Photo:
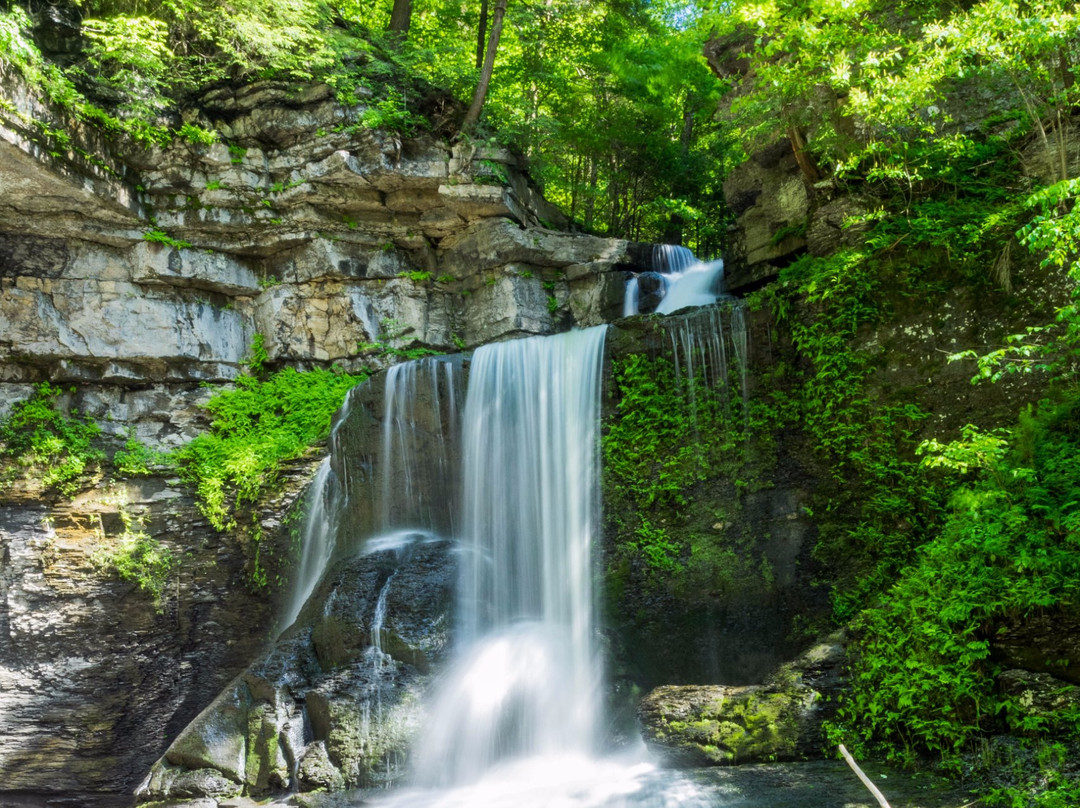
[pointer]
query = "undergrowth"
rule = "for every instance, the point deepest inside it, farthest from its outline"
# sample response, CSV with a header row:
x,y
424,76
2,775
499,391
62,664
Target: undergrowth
x,y
930,547
43,439
257,426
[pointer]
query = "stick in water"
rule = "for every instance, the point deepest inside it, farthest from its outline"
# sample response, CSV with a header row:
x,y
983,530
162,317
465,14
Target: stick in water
x,y
865,780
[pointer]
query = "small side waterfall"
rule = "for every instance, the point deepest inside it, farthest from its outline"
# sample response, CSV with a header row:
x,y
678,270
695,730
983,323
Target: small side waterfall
x,y
409,496
317,536
419,429
699,347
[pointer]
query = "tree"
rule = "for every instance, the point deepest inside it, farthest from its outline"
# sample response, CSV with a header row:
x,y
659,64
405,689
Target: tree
x,y
481,34
473,115
401,18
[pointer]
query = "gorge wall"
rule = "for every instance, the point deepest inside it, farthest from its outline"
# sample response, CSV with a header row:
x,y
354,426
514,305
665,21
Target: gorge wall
x,y
133,276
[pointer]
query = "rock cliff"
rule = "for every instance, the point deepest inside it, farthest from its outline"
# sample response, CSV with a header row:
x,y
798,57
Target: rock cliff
x,y
132,277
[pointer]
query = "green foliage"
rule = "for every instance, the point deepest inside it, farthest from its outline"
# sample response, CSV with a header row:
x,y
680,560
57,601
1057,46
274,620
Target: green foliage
x,y
416,275
137,459
137,557
1053,234
161,237
392,331
199,137
827,64
258,426
58,446
257,356
645,448
923,677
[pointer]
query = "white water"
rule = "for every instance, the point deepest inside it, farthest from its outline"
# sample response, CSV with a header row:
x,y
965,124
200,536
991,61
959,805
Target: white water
x,y
527,677
517,720
318,536
415,460
697,286
686,281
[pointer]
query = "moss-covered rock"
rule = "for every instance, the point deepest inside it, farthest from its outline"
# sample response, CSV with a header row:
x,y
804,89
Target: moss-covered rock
x,y
695,725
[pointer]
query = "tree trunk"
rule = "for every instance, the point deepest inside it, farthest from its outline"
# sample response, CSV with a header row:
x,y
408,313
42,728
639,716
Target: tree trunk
x,y
401,17
481,34
802,156
590,200
473,115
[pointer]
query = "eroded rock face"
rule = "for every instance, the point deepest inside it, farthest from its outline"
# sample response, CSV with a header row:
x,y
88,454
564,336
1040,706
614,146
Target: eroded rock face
x,y
325,708
694,725
94,679
320,236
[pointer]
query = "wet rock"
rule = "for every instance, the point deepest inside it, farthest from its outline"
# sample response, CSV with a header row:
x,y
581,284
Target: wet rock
x,y
651,288
94,682
325,681
317,772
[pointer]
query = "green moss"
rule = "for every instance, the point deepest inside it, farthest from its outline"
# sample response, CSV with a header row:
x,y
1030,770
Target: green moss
x,y
756,725
137,557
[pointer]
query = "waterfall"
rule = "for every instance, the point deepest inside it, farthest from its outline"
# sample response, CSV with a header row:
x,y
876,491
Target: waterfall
x,y
698,285
699,347
526,682
419,429
517,721
683,281
317,540
409,499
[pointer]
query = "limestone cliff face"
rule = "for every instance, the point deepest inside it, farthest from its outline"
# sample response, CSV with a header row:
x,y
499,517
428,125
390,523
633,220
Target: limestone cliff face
x,y
314,232
132,276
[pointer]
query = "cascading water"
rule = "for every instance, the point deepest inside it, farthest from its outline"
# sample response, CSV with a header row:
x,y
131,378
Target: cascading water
x,y
319,533
410,500
684,281
697,286
415,463
517,719
527,679
699,347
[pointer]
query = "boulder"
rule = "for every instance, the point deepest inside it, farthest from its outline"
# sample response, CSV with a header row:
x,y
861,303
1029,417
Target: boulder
x,y
695,725
651,288
326,707
1038,696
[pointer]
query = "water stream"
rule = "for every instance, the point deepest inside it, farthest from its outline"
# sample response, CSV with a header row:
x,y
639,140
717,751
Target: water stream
x,y
518,719
685,281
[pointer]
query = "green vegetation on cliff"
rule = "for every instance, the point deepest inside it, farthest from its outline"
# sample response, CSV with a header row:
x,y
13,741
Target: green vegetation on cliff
x,y
57,447
951,130
258,426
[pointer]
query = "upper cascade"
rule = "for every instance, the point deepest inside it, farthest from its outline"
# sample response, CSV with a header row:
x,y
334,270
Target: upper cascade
x,y
678,281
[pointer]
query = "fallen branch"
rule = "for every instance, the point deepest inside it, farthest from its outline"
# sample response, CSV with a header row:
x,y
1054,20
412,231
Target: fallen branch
x,y
866,781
